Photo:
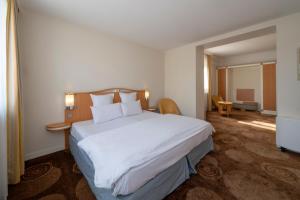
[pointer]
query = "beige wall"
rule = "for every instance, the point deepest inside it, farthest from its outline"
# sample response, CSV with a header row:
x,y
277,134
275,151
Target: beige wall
x,y
288,40
250,58
288,87
57,56
180,70
245,78
180,78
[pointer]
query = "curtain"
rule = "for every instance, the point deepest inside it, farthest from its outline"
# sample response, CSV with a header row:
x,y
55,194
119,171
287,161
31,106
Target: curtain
x,y
209,92
15,158
3,136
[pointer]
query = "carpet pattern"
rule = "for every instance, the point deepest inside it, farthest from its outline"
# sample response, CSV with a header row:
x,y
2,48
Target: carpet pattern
x,y
245,165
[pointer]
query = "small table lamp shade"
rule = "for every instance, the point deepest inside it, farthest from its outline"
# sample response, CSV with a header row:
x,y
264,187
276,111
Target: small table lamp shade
x,y
147,94
69,101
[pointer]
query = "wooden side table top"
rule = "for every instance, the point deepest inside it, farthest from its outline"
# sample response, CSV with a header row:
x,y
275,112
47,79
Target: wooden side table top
x,y
153,109
58,126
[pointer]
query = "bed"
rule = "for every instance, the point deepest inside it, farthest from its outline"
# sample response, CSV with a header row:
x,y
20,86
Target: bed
x,y
153,179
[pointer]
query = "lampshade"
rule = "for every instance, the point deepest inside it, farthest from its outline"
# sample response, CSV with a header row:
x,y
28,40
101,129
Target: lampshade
x,y
147,94
69,100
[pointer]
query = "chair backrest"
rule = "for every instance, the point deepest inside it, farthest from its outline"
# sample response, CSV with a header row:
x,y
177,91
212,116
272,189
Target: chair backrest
x,y
216,99
168,106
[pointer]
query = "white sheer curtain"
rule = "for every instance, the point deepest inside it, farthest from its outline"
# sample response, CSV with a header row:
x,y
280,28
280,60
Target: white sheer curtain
x,y
206,81
206,74
3,104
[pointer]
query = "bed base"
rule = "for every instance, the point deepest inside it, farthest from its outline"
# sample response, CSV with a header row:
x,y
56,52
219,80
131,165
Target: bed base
x,y
157,188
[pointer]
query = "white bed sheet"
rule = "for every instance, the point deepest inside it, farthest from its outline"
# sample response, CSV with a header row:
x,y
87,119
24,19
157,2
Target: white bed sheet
x,y
139,175
83,129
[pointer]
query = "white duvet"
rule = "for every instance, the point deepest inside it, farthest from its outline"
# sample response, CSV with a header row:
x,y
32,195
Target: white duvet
x,y
115,152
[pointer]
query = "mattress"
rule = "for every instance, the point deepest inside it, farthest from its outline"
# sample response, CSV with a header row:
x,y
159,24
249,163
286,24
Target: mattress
x,y
134,178
83,129
138,175
157,188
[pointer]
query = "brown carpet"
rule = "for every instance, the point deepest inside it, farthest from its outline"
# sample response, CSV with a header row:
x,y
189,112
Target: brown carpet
x,y
245,165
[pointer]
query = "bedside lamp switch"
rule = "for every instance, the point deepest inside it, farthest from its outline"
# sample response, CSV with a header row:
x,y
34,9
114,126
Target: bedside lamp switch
x,y
69,115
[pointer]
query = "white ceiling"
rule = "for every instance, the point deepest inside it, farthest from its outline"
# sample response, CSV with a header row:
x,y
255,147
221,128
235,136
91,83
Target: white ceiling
x,y
253,45
164,24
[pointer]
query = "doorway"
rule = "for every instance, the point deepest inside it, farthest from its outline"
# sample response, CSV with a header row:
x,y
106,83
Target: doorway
x,y
245,74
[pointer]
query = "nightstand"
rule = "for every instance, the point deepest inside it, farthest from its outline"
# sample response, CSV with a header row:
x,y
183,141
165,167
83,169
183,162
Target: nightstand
x,y
59,127
153,109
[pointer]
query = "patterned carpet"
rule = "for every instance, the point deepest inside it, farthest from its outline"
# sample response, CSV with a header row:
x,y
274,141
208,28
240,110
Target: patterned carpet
x,y
245,165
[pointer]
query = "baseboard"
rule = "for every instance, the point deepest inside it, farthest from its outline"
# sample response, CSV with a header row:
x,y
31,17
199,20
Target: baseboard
x,y
268,112
43,152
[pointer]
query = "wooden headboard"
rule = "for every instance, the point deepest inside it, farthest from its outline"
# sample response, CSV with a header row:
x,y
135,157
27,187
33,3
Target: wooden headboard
x,y
83,102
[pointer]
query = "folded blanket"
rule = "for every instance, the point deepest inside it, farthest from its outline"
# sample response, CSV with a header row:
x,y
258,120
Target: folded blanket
x,y
115,152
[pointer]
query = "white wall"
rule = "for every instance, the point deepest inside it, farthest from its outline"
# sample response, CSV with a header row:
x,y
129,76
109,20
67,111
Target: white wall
x,y
254,78
179,68
288,87
258,57
180,78
57,56
245,78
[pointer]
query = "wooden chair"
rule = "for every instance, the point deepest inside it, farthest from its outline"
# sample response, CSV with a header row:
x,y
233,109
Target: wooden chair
x,y
215,100
168,106
223,107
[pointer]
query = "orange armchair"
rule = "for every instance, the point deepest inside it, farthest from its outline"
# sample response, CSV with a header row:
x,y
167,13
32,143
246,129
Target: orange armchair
x,y
215,100
168,106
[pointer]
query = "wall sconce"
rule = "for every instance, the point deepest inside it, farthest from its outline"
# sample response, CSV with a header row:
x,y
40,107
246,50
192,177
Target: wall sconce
x,y
147,94
69,101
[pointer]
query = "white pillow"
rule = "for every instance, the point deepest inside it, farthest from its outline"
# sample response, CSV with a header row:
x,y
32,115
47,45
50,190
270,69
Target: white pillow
x,y
100,100
131,108
106,112
128,97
